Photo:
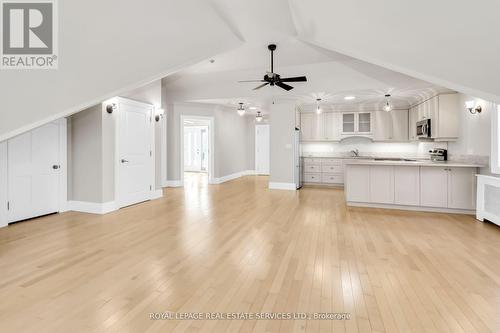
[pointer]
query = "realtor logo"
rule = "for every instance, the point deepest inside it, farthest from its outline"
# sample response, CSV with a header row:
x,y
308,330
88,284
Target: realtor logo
x,y
29,34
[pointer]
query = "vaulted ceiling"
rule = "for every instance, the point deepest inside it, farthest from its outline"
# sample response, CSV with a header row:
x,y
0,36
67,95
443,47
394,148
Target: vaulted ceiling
x,y
368,48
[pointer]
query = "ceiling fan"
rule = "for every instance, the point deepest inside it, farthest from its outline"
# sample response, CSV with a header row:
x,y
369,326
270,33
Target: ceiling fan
x,y
274,79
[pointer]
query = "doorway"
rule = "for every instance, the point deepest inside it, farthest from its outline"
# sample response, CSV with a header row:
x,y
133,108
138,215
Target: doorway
x,y
262,149
196,149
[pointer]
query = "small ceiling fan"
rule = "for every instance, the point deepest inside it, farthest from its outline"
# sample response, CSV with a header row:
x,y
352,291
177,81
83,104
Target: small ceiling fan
x,y
274,79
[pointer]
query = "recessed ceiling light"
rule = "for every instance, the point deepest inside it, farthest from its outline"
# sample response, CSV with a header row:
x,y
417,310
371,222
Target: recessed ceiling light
x,y
349,98
252,108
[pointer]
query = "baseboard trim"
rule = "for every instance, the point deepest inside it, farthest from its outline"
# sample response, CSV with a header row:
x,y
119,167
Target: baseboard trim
x,y
173,183
282,186
157,194
92,207
412,208
233,176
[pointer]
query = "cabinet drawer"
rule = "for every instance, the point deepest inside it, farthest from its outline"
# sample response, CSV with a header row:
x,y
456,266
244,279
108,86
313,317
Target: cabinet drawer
x,y
332,168
331,161
310,160
312,168
312,178
332,179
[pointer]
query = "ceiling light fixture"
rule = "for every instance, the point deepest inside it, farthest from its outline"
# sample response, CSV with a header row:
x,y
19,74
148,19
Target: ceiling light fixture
x,y
252,108
472,107
259,117
388,105
241,110
318,107
349,98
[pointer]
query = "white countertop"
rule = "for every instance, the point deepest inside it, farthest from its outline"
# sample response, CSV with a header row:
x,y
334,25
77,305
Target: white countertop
x,y
415,163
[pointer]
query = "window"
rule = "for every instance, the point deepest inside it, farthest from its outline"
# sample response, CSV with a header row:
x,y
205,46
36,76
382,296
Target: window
x,y
495,141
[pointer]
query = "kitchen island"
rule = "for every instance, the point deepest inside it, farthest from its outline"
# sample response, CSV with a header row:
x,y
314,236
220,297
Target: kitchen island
x,y
421,185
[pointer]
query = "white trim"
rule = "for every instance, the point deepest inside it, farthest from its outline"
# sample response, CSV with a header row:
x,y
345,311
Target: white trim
x,y
173,183
63,160
495,140
116,115
92,207
233,176
157,194
211,149
3,184
412,208
164,148
282,186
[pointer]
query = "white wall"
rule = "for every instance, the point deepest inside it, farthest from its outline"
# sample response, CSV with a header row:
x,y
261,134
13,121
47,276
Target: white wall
x,y
230,138
282,127
475,129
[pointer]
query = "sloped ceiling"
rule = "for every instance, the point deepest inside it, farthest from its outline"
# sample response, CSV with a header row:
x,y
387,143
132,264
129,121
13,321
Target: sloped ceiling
x,y
450,43
107,47
331,75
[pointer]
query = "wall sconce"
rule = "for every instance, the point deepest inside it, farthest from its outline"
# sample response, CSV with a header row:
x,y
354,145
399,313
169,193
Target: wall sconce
x,y
159,114
472,107
110,108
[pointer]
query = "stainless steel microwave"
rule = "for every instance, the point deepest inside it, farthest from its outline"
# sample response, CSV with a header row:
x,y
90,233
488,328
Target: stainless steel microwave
x,y
424,128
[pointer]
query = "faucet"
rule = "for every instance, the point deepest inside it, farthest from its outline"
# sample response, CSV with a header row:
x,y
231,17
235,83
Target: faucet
x,y
355,152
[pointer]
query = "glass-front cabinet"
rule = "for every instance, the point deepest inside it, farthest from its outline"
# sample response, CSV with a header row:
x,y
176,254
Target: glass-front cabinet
x,y
356,123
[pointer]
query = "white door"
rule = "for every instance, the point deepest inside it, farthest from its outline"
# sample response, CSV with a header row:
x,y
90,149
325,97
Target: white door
x,y
262,150
33,173
136,166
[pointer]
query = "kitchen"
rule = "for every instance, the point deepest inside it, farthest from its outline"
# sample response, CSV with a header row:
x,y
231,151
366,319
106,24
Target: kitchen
x,y
422,157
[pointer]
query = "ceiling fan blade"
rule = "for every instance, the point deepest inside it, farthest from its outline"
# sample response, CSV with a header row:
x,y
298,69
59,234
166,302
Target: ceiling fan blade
x,y
262,85
294,79
252,81
284,86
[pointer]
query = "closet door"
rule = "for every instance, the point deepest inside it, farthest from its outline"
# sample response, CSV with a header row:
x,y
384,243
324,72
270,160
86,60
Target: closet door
x,y
33,172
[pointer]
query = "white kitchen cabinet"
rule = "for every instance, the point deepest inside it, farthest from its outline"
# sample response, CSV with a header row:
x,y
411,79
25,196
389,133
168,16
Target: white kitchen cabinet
x,y
399,125
381,184
434,186
348,123
357,123
326,171
358,181
461,188
306,127
443,111
407,185
412,124
390,126
331,130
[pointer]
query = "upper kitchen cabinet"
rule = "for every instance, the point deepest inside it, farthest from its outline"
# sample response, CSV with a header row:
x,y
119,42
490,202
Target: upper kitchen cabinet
x,y
390,126
320,127
357,124
443,111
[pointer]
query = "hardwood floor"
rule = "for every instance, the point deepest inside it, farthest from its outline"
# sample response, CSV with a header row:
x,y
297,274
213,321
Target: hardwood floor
x,y
238,247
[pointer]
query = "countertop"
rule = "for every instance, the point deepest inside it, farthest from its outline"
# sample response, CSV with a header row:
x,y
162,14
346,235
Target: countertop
x,y
426,163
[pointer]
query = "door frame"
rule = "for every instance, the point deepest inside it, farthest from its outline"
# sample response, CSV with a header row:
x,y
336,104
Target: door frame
x,y
211,146
117,169
269,159
63,174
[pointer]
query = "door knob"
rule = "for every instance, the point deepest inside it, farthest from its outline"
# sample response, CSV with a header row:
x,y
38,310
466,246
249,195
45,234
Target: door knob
x,y
124,161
